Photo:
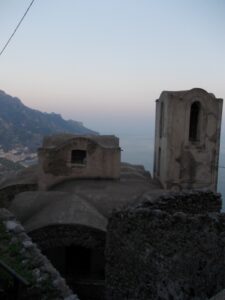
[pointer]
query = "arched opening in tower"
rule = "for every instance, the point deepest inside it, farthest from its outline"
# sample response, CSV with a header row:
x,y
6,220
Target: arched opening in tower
x,y
194,126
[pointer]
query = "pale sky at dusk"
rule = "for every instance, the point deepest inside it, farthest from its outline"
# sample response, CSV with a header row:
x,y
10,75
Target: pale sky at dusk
x,y
105,62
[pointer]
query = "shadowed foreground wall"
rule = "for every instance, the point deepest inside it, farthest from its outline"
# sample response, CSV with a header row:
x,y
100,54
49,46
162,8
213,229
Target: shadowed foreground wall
x,y
152,253
19,252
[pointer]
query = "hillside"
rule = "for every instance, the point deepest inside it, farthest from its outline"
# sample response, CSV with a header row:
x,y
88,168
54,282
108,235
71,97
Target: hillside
x,y
8,165
25,127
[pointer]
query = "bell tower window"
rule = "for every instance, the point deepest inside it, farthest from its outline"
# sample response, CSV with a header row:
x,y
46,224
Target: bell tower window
x,y
194,127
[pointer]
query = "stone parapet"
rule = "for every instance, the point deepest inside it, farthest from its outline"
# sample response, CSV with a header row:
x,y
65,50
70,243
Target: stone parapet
x,y
190,202
166,250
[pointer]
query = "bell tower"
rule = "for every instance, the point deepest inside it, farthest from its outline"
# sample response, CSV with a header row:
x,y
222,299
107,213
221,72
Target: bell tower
x,y
187,139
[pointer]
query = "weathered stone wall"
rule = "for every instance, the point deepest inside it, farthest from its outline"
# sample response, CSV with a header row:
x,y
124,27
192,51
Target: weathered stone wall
x,y
101,161
181,162
191,202
157,253
8,193
19,252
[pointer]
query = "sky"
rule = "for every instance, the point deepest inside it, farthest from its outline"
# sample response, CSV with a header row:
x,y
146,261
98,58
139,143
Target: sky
x,y
105,62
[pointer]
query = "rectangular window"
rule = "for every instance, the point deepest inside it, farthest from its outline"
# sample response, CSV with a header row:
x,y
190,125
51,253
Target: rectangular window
x,y
78,157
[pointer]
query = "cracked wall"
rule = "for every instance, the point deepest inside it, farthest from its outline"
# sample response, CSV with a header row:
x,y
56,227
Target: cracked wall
x,y
181,161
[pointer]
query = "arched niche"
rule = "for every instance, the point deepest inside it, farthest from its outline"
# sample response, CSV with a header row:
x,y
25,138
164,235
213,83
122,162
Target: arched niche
x,y
194,122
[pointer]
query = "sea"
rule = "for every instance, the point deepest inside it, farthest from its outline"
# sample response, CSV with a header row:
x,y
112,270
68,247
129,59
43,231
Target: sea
x,y
139,149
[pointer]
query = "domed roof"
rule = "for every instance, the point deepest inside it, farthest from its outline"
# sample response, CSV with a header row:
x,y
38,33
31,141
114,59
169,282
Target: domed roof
x,y
39,209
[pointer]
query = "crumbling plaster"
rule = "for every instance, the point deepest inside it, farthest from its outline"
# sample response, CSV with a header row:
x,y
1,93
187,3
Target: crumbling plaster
x,y
180,163
102,161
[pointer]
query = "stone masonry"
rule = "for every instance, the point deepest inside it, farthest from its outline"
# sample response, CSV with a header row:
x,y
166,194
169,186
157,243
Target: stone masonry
x,y
187,139
166,251
63,157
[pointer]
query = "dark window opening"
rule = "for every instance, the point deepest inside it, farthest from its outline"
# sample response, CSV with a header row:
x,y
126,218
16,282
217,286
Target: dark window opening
x,y
78,262
194,130
83,269
78,157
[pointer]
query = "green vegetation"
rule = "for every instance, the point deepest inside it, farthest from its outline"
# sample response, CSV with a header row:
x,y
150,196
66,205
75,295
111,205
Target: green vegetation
x,y
10,254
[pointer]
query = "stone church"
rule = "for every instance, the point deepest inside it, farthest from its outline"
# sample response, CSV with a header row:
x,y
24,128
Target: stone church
x,y
81,205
